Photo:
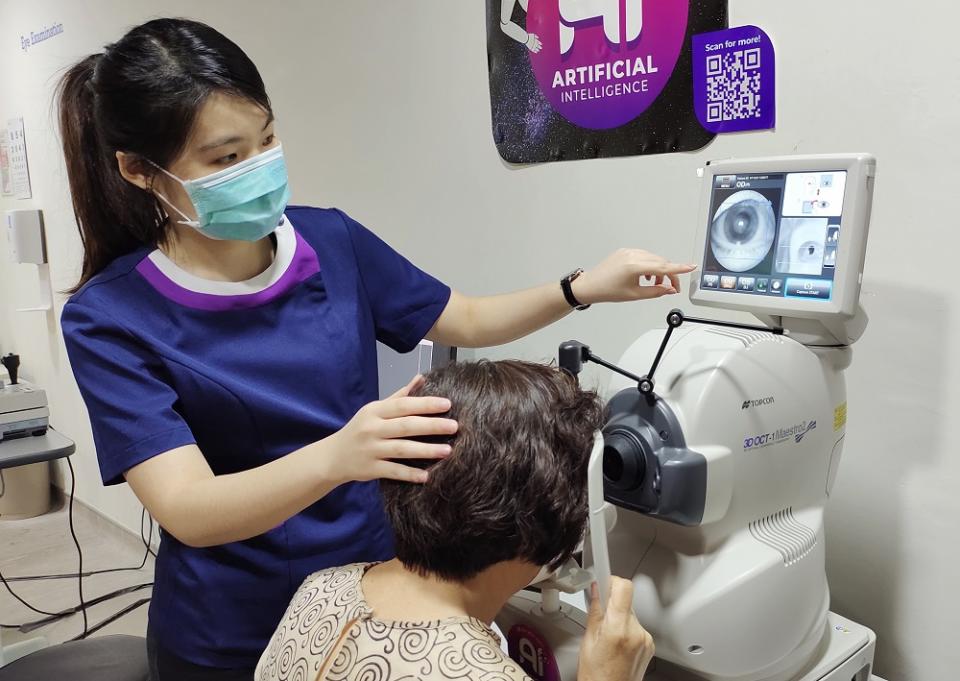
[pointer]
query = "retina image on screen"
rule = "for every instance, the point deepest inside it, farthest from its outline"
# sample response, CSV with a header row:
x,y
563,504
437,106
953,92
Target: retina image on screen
x,y
774,234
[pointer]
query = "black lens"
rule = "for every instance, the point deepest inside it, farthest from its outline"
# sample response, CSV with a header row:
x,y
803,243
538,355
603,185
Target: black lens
x,y
612,464
624,462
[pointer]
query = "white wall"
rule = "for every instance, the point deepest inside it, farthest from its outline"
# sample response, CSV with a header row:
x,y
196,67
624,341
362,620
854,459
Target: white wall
x,y
384,111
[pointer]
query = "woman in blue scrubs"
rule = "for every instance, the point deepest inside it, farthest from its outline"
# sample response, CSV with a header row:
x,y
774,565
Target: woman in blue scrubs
x,y
224,341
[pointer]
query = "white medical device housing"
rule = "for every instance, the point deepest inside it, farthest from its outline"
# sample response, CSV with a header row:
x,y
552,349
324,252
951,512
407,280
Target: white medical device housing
x,y
23,410
716,481
785,238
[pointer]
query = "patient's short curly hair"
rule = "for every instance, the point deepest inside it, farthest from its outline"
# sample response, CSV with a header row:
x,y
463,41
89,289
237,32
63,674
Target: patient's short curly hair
x,y
515,486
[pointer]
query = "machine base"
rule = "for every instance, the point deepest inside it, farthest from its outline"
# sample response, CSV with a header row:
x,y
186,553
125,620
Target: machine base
x,y
846,654
544,643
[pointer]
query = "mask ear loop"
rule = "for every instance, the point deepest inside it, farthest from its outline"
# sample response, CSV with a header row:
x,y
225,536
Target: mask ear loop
x,y
186,218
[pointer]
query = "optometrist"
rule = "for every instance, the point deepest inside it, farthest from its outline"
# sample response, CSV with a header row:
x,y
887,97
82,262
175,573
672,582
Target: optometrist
x,y
224,341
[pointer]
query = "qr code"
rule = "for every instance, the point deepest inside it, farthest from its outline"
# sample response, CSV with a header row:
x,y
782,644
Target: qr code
x,y
733,85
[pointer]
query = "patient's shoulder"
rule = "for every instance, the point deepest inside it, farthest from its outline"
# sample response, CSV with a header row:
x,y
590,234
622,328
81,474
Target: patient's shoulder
x,y
333,580
479,648
325,604
456,648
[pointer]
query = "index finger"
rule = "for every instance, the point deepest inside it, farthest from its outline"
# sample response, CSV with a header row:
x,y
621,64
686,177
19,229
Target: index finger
x,y
414,383
397,407
595,611
620,603
669,268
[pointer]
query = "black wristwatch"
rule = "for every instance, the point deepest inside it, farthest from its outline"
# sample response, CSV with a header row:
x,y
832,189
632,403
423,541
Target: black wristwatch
x,y
565,286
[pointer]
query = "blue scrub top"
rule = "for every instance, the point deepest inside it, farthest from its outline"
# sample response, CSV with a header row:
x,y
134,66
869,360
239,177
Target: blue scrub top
x,y
249,371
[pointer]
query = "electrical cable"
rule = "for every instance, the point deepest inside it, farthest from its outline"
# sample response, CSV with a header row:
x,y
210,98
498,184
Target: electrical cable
x,y
79,575
76,541
149,538
27,627
13,593
72,575
113,618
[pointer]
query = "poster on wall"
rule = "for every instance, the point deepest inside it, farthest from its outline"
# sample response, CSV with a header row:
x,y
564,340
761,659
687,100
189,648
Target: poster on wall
x,y
577,79
733,80
17,153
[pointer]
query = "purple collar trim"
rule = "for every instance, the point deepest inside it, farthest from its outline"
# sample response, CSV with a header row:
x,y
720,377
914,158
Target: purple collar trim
x,y
303,266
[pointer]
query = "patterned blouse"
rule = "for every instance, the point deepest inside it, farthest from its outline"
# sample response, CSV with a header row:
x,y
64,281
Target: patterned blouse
x,y
329,634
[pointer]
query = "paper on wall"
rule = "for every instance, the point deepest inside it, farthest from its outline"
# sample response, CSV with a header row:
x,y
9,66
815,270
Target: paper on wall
x,y
6,182
17,154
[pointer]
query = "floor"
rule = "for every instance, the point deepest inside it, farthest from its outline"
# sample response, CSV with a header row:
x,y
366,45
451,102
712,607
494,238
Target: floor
x,y
43,545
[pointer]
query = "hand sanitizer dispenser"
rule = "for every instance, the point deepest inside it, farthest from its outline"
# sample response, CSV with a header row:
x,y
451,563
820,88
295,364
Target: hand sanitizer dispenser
x,y
25,234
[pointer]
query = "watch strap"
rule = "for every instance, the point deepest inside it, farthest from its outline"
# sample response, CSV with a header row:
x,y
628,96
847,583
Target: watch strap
x,y
567,288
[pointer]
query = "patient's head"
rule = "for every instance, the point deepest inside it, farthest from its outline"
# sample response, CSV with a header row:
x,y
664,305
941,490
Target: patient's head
x,y
515,486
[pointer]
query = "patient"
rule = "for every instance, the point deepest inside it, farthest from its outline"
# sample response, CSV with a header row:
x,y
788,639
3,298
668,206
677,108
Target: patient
x,y
511,498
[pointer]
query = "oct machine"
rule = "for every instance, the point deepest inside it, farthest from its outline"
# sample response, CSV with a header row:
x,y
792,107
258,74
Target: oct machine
x,y
709,480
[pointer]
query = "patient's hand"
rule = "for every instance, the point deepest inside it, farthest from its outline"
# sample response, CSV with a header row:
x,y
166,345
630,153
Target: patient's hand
x,y
615,647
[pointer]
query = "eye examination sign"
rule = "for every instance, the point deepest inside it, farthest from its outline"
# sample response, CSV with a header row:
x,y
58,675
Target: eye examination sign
x,y
574,79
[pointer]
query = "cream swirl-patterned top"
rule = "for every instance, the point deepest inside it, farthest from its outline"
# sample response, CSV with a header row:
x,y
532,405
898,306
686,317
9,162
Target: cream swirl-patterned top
x,y
329,634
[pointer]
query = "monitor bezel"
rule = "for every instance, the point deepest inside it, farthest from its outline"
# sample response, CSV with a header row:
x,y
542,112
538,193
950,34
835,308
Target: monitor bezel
x,y
851,250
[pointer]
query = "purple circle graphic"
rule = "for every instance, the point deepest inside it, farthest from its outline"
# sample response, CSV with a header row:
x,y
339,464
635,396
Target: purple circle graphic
x,y
528,648
604,62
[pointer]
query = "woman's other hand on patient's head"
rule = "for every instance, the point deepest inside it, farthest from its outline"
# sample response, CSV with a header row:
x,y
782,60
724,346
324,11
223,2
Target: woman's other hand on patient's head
x,y
382,434
615,647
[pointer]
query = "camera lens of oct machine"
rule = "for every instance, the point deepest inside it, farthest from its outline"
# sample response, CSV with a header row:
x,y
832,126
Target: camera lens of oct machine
x,y
624,461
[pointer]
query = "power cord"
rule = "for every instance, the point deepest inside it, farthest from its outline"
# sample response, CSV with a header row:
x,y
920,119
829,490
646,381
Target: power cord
x,y
72,575
27,627
113,618
148,540
79,575
14,594
76,542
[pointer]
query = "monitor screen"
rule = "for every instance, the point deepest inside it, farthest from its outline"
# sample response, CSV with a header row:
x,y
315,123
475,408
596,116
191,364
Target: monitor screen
x,y
774,234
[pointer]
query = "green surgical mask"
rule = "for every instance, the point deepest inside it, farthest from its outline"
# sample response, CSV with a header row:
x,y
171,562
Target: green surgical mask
x,y
244,202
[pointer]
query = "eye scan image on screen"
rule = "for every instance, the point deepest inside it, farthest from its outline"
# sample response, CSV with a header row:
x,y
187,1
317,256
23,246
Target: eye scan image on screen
x,y
774,234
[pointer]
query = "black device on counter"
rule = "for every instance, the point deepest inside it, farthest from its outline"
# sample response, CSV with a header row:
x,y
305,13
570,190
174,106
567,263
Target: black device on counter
x,y
12,364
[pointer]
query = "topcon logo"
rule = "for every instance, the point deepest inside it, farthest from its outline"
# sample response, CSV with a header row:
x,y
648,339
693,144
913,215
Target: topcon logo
x,y
757,403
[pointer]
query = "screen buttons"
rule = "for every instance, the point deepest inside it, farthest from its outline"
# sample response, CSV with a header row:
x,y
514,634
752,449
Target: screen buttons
x,y
710,281
746,283
817,289
762,284
728,282
830,250
776,286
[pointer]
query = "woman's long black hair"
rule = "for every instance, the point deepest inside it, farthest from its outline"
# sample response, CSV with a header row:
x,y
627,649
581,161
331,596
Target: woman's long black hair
x,y
140,96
